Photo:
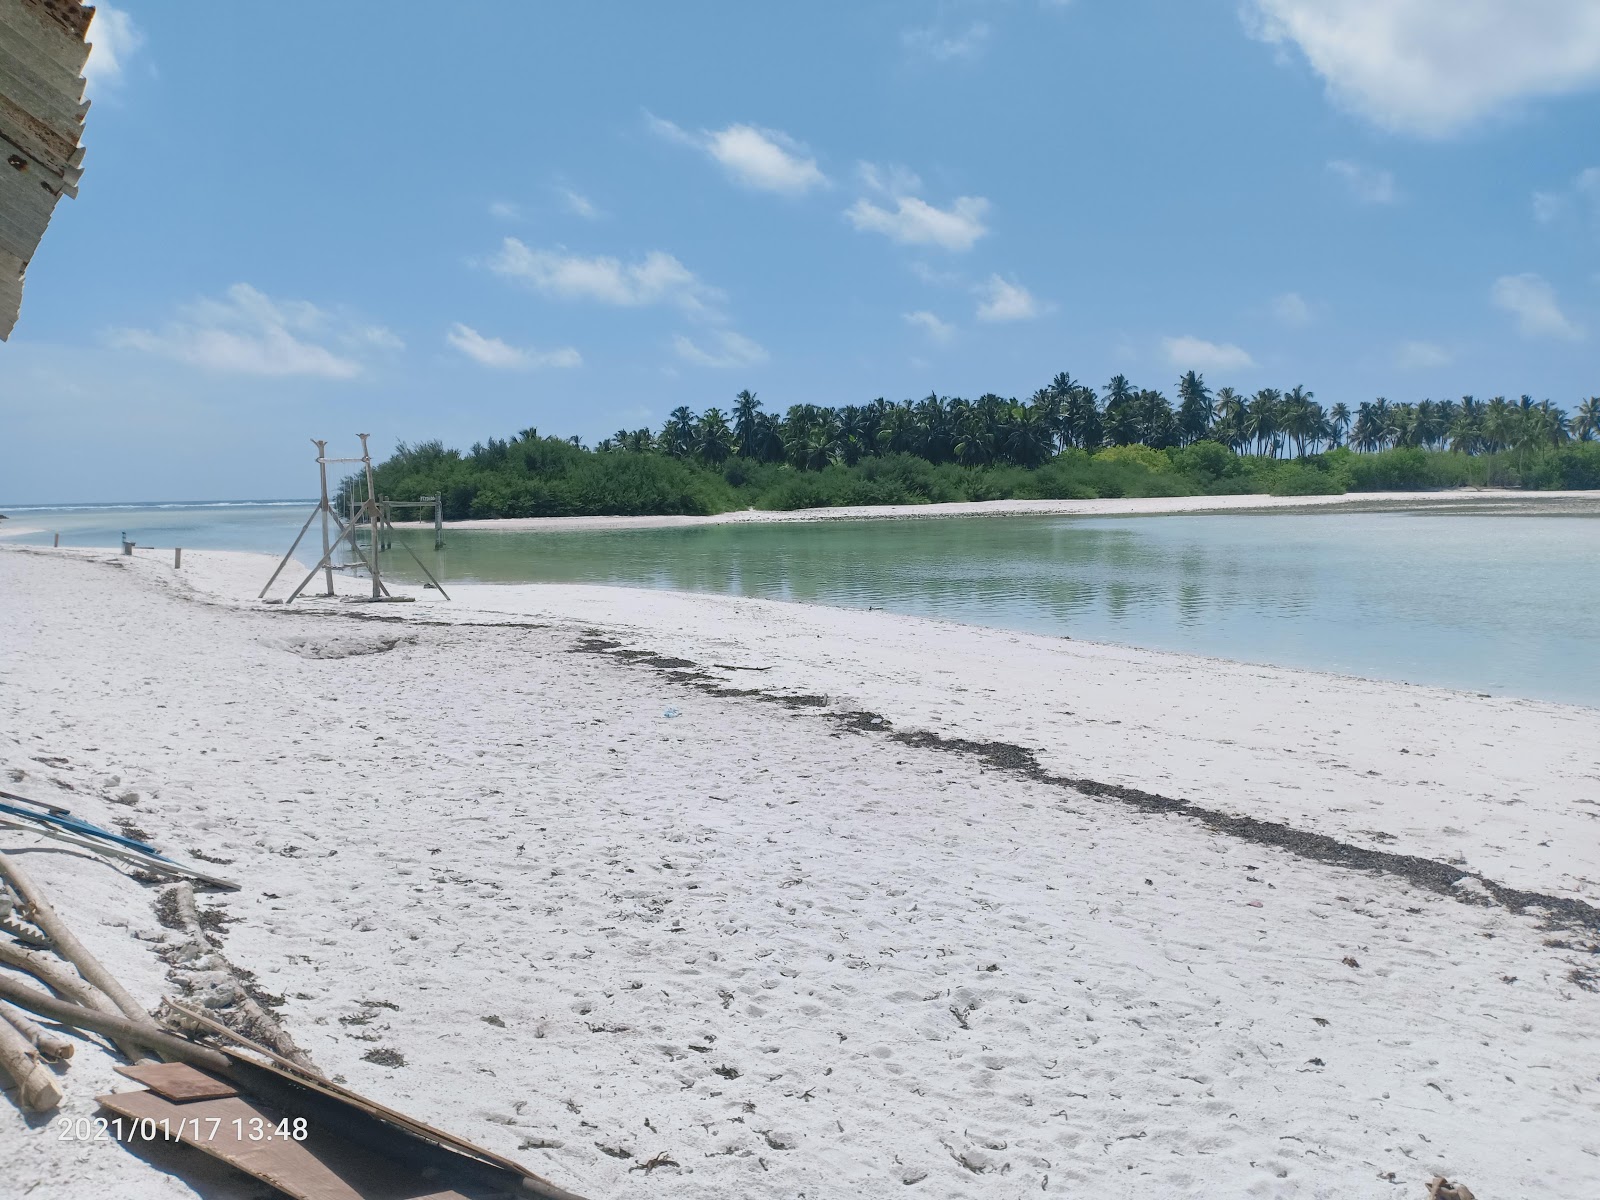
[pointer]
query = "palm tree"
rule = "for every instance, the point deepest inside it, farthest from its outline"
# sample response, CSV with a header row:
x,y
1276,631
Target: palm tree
x,y
1121,420
677,435
1195,409
1262,420
1299,417
1339,420
1587,427
746,425
713,440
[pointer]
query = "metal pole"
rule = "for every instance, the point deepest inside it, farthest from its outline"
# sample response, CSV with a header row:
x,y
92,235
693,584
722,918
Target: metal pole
x,y
322,468
438,522
372,513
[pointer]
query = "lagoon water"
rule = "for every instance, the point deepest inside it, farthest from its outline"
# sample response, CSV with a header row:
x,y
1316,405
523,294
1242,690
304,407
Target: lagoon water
x,y
1496,603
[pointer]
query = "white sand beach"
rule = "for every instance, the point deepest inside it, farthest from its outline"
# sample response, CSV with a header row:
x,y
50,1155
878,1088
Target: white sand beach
x,y
685,896
1132,506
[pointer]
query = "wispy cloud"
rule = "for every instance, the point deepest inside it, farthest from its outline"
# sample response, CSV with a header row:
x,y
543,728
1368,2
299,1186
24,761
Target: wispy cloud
x,y
942,46
930,324
1419,356
1532,300
1291,309
500,355
1435,67
1005,300
1582,194
767,160
913,221
248,333
115,40
1192,353
657,278
579,205
504,210
727,349
1370,185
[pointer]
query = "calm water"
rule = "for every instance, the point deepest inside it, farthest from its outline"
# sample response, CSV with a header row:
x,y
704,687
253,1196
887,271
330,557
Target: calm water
x,y
1492,603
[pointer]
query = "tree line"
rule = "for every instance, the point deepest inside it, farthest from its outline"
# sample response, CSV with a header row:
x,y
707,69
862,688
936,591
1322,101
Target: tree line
x,y
1066,441
1068,414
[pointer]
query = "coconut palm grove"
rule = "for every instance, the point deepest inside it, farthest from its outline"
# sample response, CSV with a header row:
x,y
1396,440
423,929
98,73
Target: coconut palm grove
x,y
1066,441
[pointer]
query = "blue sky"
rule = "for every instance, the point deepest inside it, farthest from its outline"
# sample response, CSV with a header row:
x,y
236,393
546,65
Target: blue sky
x,y
302,220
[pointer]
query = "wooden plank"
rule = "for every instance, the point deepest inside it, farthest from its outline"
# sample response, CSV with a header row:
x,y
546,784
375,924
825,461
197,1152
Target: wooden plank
x,y
177,1081
244,1135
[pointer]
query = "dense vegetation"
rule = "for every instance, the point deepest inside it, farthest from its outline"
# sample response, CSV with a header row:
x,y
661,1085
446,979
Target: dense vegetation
x,y
1065,442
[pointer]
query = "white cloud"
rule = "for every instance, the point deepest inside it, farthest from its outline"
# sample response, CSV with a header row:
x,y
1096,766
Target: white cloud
x,y
1370,185
729,349
941,47
935,278
248,333
505,210
1434,67
1532,301
937,330
492,352
1192,353
1584,192
1291,309
1418,356
1547,206
657,278
915,222
889,179
579,205
1003,300
115,40
765,159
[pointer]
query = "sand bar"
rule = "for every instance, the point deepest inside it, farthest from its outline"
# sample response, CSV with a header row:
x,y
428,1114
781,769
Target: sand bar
x,y
1124,507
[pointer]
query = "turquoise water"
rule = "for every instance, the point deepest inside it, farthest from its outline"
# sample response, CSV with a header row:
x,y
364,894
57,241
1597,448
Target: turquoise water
x,y
263,525
1471,599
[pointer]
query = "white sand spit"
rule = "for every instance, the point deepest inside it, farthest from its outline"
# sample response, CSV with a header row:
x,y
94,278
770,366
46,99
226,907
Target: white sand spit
x,y
1135,506
793,954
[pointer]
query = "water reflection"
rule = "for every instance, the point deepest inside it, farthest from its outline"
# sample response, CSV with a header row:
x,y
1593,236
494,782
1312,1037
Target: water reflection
x,y
1485,602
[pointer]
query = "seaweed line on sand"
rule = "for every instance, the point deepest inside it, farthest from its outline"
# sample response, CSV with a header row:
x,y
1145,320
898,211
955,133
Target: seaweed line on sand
x,y
1441,878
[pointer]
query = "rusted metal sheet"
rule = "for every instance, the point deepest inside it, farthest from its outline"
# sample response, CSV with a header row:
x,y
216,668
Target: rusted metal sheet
x,y
42,54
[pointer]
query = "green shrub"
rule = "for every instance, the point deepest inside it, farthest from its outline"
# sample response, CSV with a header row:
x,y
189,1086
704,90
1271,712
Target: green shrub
x,y
1153,461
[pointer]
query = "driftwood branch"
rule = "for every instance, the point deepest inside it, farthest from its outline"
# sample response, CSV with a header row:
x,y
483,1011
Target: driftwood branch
x,y
49,1043
67,945
120,1028
37,1089
259,1024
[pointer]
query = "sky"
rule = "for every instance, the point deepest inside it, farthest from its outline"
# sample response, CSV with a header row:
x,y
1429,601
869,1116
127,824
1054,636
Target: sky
x,y
304,220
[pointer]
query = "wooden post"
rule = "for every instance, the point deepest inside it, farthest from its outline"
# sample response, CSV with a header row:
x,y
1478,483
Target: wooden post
x,y
127,546
58,541
438,522
372,514
177,557
322,467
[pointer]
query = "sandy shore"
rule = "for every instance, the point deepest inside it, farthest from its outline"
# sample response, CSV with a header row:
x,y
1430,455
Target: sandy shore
x,y
824,903
1127,507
